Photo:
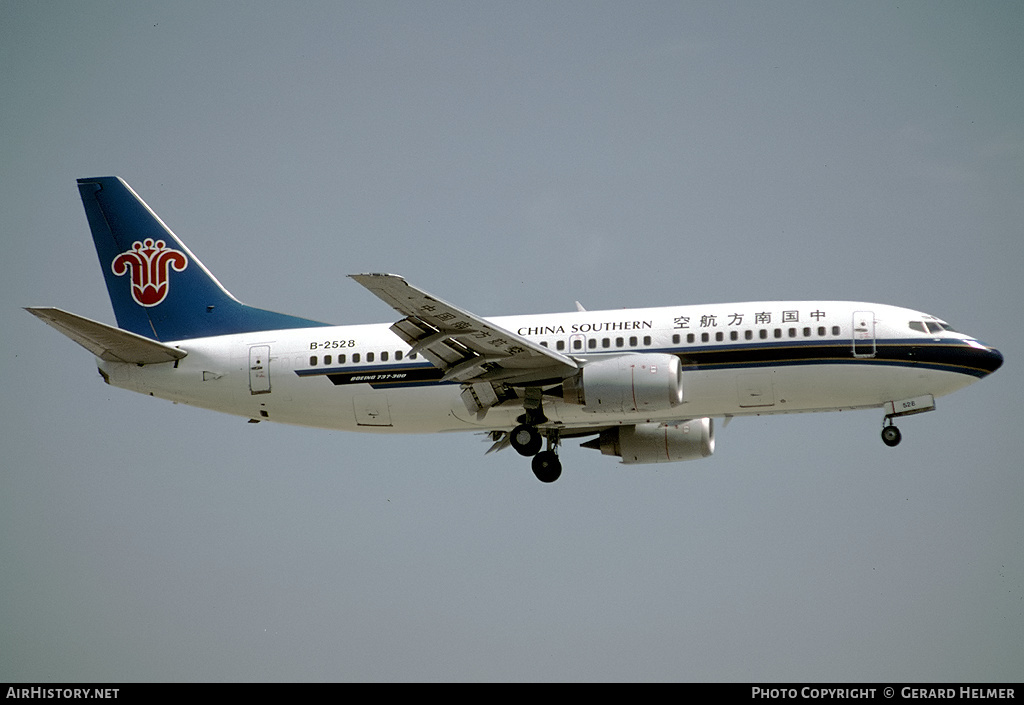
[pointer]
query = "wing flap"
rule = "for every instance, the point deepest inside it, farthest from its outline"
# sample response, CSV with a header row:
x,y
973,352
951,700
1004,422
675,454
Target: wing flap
x,y
466,347
106,342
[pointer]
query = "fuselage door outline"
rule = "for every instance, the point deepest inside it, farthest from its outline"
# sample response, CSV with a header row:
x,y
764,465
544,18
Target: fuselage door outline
x,y
863,334
259,369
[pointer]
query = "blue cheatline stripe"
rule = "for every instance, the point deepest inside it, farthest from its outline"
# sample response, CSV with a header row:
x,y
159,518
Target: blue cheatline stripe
x,y
953,357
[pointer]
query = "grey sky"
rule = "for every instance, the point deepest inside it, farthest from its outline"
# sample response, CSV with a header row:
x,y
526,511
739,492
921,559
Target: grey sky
x,y
514,157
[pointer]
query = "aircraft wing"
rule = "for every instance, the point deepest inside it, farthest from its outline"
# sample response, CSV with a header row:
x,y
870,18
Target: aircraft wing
x,y
106,342
469,349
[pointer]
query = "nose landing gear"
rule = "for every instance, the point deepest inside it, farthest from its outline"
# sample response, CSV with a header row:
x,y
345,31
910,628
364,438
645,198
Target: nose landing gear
x,y
891,435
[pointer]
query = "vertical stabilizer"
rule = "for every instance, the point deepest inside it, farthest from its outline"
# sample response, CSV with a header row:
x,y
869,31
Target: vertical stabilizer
x,y
157,287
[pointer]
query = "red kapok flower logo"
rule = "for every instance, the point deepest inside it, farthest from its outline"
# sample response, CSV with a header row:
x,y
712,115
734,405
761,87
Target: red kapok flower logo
x,y
150,264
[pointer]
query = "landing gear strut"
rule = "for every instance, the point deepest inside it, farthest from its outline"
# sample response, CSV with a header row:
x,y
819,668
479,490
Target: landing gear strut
x,y
891,435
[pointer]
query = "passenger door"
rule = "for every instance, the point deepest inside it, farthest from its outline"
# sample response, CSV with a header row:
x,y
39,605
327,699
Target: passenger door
x,y
259,369
863,334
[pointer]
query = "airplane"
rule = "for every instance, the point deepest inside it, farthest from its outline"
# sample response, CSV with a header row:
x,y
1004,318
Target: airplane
x,y
644,384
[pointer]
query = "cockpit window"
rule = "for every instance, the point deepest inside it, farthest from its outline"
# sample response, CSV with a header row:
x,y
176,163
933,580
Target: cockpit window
x,y
931,327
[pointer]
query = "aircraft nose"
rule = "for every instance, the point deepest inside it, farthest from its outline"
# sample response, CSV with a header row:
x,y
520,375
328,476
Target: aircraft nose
x,y
993,359
986,358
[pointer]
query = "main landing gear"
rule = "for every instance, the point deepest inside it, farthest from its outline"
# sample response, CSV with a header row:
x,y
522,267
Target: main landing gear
x,y
527,441
526,438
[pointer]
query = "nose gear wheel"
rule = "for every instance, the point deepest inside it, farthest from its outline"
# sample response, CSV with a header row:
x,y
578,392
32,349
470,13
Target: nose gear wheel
x,y
891,435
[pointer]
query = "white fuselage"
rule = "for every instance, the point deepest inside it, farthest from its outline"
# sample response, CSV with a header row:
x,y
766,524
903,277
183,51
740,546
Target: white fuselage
x,y
738,359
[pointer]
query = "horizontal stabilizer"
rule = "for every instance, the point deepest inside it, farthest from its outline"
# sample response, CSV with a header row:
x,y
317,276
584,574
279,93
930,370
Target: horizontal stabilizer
x,y
106,342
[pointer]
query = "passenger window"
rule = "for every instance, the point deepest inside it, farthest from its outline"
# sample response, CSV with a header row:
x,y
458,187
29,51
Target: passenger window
x,y
592,343
778,333
633,341
821,331
621,342
560,345
398,354
341,359
327,359
748,335
734,335
577,344
675,339
606,342
312,360
384,356
792,332
544,343
647,340
807,332
355,357
719,336
369,357
690,337
762,333
835,330
704,337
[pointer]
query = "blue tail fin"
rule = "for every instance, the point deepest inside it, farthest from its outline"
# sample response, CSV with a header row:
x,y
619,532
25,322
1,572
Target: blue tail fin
x,y
158,288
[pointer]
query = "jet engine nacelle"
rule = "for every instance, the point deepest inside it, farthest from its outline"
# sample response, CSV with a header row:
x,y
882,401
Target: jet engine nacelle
x,y
658,443
644,382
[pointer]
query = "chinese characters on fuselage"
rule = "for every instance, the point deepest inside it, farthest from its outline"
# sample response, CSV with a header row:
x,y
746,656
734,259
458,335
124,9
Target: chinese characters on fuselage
x,y
760,318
